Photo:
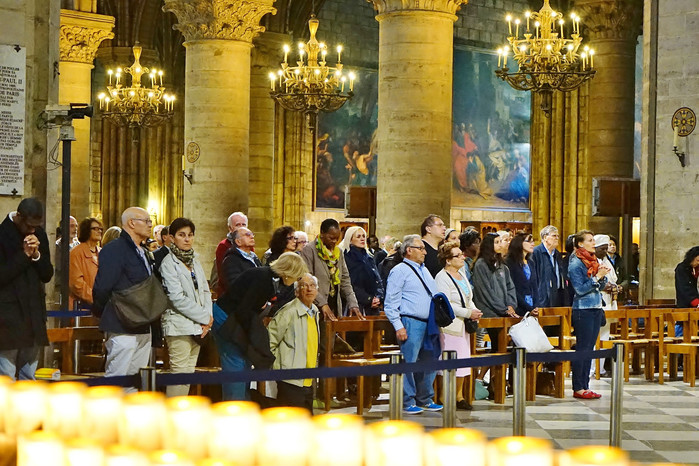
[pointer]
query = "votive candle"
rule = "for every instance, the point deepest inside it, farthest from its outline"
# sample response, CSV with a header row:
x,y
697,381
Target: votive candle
x,y
142,420
101,411
337,440
170,458
5,384
285,437
26,406
520,451
121,455
64,403
594,456
84,452
187,428
235,432
394,443
40,448
445,447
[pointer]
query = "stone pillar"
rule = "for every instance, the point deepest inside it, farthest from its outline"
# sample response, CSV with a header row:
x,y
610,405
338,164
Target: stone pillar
x,y
218,37
414,127
612,29
266,57
80,35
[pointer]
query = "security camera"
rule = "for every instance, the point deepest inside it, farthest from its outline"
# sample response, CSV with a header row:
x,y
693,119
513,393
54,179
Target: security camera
x,y
60,115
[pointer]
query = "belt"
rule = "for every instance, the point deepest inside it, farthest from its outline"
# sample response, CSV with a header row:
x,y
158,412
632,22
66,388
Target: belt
x,y
413,317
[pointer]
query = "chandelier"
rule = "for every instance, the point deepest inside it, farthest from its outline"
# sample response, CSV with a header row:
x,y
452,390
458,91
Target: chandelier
x,y
136,104
311,86
547,60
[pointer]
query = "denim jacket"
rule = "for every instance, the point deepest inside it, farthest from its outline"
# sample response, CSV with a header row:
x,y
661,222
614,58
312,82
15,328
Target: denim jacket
x,y
587,290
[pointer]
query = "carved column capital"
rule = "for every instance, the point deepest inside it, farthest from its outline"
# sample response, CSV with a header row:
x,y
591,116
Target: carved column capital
x,y
440,6
219,19
81,34
611,19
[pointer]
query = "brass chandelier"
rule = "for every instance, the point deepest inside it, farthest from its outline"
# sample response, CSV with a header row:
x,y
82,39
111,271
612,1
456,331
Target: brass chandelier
x,y
547,60
312,86
135,104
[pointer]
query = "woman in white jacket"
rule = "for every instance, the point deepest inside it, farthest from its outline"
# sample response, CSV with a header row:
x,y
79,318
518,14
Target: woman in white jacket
x,y
454,284
190,318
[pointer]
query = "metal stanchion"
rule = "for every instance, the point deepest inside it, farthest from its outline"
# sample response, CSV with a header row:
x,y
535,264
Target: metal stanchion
x,y
449,392
147,376
520,393
395,387
617,396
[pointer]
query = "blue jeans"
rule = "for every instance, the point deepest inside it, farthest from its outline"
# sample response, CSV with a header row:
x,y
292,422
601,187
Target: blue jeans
x,y
19,363
417,388
232,359
586,323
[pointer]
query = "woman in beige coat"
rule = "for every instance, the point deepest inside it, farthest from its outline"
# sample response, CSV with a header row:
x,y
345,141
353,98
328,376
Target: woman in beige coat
x,y
454,284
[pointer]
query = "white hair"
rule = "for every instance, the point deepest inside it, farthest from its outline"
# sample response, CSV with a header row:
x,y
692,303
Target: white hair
x,y
347,240
548,230
296,283
238,214
300,234
408,240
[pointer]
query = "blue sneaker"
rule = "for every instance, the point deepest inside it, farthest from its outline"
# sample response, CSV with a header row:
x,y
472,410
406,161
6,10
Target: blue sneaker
x,y
432,407
413,410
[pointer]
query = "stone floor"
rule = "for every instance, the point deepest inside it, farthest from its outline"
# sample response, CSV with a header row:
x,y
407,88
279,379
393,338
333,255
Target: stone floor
x,y
660,422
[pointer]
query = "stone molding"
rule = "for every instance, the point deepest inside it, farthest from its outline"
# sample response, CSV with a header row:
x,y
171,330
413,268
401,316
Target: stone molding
x,y
440,6
611,19
219,19
81,33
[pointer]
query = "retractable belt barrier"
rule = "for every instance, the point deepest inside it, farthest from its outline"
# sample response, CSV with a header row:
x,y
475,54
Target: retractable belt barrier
x,y
69,314
213,378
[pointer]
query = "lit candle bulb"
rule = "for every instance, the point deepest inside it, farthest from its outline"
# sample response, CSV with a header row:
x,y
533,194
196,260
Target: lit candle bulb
x,y
40,448
235,432
272,81
528,15
505,53
594,456
520,451
169,458
351,78
64,406
339,53
110,72
499,57
142,420
592,58
342,80
106,103
183,412
676,136
445,447
394,443
508,18
286,52
26,407
285,438
160,74
560,23
337,440
536,25
517,22
84,452
583,58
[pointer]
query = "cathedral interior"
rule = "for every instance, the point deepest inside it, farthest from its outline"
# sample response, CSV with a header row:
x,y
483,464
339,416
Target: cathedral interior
x,y
430,127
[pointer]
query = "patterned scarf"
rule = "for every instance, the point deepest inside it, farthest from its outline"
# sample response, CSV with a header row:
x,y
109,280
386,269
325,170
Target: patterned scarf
x,y
332,261
589,259
187,257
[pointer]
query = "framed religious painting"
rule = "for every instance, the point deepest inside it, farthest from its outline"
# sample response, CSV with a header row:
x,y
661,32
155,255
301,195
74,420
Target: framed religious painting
x,y
346,153
490,136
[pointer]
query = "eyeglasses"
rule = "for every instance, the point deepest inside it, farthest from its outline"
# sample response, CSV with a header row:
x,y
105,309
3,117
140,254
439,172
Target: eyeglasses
x,y
250,234
310,286
422,248
302,241
145,220
461,254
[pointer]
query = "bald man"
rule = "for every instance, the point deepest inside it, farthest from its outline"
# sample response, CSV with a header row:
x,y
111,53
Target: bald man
x,y
123,263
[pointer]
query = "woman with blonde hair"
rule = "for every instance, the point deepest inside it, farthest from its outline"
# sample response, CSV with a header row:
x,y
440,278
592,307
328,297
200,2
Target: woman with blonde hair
x,y
364,275
112,233
238,329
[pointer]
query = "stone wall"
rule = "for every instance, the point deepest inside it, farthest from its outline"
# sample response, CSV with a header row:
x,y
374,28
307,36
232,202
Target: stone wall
x,y
669,223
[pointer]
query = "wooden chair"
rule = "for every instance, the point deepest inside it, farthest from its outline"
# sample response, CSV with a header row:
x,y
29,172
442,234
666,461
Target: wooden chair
x,y
669,344
498,373
68,338
560,344
634,341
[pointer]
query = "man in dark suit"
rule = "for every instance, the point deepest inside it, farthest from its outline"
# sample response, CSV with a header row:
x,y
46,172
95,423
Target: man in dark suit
x,y
240,258
547,263
25,265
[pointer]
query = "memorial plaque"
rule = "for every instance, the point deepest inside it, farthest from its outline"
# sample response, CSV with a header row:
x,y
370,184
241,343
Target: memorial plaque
x,y
13,67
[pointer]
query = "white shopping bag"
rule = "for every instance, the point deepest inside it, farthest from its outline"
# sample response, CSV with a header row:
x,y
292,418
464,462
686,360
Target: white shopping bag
x,y
529,334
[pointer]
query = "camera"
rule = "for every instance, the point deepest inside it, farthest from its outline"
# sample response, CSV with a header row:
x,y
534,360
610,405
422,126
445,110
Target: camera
x,y
60,115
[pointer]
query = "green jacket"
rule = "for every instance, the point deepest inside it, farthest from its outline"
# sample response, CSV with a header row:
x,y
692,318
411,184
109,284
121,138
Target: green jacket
x,y
288,337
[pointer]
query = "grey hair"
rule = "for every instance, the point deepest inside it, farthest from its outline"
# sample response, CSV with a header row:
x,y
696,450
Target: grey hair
x,y
547,230
240,214
408,240
296,283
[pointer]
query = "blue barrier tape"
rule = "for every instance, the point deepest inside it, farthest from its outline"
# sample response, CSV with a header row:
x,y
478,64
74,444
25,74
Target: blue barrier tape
x,y
214,378
70,314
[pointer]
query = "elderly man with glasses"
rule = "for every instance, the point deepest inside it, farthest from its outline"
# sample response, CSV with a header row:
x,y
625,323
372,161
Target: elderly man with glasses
x,y
239,258
123,263
407,307
548,265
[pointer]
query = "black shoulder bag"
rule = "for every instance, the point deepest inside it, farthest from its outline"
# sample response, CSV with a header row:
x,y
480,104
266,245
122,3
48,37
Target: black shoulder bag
x,y
470,324
443,313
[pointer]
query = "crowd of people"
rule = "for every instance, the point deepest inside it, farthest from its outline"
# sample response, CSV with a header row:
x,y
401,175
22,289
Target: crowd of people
x,y
268,312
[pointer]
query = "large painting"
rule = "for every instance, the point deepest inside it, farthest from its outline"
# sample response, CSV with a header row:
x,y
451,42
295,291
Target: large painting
x,y
490,139
346,152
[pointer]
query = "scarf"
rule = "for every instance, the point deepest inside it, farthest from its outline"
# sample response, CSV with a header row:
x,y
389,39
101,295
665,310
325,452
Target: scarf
x,y
187,257
332,261
589,259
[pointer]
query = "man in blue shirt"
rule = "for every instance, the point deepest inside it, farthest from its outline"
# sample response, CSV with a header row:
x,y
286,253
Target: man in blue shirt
x,y
407,307
547,262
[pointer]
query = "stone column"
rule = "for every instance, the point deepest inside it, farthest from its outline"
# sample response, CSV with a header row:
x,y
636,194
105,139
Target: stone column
x,y
266,57
612,29
414,127
218,37
80,35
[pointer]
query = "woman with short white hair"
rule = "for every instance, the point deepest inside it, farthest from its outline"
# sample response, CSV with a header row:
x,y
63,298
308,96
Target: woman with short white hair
x,y
364,275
